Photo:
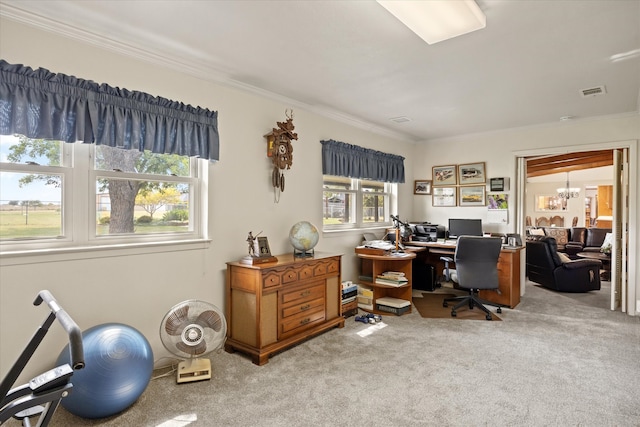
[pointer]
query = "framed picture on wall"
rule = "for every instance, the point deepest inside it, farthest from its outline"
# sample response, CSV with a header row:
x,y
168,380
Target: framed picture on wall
x,y
472,196
472,173
444,196
422,187
444,175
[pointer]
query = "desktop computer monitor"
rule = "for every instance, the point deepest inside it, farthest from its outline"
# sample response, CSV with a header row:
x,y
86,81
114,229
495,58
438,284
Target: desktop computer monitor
x,y
464,227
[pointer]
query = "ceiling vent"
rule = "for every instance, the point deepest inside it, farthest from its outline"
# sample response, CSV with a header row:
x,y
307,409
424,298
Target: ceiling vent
x,y
593,91
401,119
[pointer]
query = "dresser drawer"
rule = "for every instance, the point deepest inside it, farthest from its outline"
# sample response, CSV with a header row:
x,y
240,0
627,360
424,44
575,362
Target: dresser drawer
x,y
302,307
305,272
320,269
289,275
301,295
270,279
293,324
333,266
326,267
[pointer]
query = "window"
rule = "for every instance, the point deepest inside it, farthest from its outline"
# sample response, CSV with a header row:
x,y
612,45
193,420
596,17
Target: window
x,y
356,203
46,200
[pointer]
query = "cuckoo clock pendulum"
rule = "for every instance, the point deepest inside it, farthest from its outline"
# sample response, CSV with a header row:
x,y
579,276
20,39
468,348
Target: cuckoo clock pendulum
x,y
281,151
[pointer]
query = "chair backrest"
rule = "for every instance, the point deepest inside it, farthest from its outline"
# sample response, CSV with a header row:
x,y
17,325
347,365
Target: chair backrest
x,y
574,221
476,261
540,262
543,221
557,220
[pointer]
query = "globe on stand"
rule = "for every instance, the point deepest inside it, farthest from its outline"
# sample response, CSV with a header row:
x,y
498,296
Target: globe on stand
x,y
304,237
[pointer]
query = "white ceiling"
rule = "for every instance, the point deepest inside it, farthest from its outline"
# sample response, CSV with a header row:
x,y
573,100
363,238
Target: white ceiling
x,y
352,60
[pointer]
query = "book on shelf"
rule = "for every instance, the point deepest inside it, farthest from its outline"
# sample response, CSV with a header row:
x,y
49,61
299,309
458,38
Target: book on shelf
x,y
365,298
365,306
395,278
393,273
391,282
348,300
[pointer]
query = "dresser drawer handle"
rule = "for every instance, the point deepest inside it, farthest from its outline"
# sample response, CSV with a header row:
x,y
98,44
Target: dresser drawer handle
x,y
305,307
305,293
305,321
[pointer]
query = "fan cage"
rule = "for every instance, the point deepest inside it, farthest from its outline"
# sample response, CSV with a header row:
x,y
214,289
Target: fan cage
x,y
193,328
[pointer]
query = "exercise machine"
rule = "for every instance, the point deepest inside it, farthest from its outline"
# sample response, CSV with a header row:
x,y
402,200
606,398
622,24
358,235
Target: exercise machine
x,y
41,396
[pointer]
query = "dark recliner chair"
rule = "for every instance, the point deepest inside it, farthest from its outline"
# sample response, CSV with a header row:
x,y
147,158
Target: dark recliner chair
x,y
546,268
476,261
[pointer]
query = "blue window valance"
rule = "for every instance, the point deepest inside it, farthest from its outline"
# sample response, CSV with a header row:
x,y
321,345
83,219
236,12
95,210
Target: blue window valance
x,y
342,159
44,105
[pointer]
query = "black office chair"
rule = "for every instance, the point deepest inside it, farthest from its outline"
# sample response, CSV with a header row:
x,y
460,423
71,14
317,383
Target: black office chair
x,y
476,260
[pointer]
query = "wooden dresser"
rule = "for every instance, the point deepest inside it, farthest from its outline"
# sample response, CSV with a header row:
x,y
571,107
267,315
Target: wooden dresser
x,y
273,306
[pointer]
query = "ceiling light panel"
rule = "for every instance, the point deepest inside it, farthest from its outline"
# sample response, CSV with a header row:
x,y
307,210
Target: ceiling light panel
x,y
437,20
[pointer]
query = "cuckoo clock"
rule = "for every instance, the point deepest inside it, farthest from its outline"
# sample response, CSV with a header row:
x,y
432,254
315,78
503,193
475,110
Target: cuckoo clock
x,y
280,150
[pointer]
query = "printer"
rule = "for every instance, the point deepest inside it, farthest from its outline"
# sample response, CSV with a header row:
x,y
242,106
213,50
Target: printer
x,y
426,232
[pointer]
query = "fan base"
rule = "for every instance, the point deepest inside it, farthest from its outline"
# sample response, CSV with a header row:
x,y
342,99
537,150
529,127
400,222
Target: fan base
x,y
194,370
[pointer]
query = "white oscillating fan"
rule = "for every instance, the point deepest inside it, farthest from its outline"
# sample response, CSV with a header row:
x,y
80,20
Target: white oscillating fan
x,y
191,330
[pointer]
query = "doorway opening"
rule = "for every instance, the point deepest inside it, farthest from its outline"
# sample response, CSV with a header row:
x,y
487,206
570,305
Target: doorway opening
x,y
621,158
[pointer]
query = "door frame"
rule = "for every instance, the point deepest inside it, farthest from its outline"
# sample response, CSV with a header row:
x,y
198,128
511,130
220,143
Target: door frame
x,y
629,291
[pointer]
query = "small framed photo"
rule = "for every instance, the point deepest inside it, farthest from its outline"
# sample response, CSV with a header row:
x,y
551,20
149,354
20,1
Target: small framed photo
x,y
263,245
444,175
472,196
472,173
444,196
422,187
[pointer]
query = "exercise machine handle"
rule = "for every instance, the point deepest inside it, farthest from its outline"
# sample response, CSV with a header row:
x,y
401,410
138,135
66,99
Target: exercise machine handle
x,y
72,329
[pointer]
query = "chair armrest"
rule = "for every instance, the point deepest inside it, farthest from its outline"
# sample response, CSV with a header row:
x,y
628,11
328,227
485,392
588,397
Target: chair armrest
x,y
582,263
574,245
446,259
573,248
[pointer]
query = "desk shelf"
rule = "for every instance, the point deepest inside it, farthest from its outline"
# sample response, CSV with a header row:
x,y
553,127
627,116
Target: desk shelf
x,y
374,265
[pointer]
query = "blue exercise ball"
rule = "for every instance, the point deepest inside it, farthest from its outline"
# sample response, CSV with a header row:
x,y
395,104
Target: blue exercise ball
x,y
118,368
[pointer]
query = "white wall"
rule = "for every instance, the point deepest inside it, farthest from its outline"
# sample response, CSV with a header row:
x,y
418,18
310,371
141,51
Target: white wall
x,y
137,287
575,207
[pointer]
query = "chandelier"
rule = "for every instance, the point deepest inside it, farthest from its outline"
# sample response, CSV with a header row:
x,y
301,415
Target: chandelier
x,y
568,192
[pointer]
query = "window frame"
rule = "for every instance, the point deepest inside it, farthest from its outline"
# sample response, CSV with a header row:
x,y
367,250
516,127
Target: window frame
x,y
390,196
78,205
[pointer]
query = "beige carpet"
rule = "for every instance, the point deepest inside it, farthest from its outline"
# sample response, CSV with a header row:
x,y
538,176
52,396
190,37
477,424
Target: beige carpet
x,y
430,306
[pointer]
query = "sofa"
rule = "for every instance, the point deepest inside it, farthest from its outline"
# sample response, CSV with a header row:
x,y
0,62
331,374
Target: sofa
x,y
572,240
546,267
585,240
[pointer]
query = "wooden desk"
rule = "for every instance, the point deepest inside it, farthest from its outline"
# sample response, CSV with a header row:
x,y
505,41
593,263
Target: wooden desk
x,y
508,270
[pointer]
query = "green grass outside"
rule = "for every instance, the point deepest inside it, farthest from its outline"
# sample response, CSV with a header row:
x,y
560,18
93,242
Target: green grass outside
x,y
48,223
37,223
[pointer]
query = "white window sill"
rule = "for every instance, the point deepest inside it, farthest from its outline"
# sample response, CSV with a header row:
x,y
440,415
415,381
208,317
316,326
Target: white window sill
x,y
102,251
